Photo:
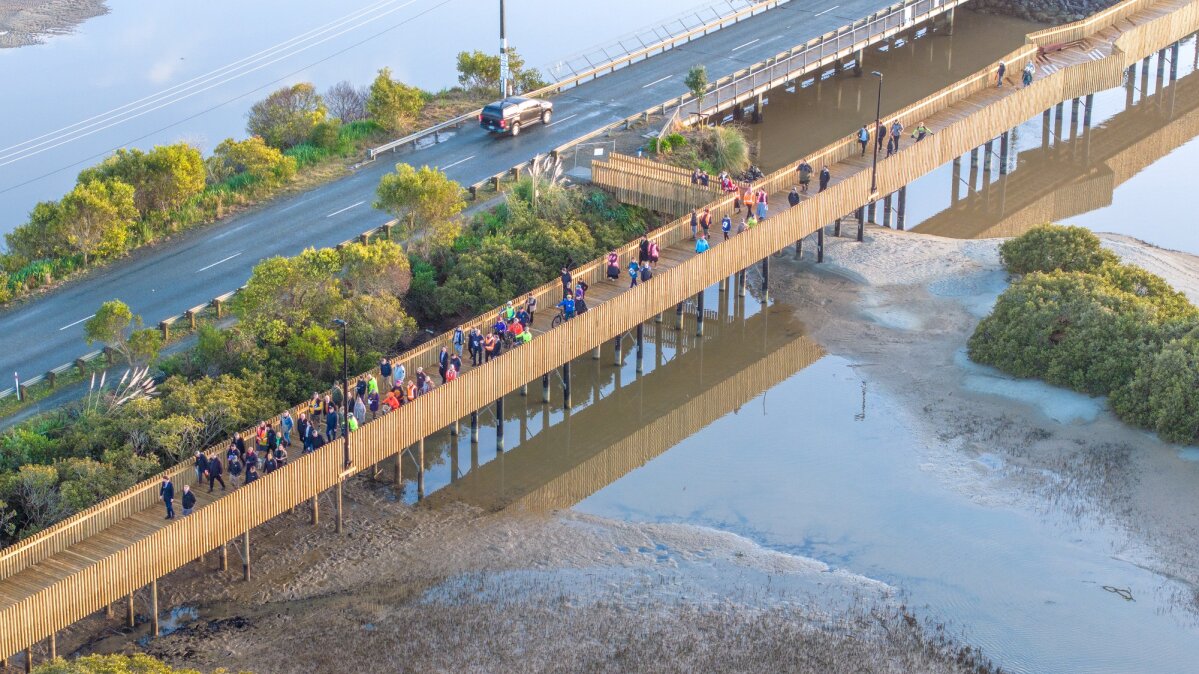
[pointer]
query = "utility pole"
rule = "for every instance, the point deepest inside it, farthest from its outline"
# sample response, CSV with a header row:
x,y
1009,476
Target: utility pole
x,y
503,55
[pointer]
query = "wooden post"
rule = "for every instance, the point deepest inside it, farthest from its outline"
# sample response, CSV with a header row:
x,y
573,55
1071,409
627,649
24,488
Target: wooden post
x,y
190,315
225,556
51,378
154,607
245,562
861,224
130,615
887,211
166,330
28,660
420,469
316,510
499,424
566,385
399,471
339,523
837,227
901,210
53,646
640,347
820,245
474,192
495,183
82,365
798,249
109,612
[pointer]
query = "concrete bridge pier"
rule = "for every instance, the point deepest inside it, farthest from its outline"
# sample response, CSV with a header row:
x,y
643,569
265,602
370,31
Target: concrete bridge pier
x,y
947,22
616,351
678,316
545,388
398,469
566,385
1087,108
1045,117
699,314
741,291
887,211
130,614
901,208
820,245
858,56
499,424
1058,112
1174,62
454,425
316,511
861,224
759,102
155,628
28,660
956,190
1074,106
988,150
245,568
454,460
765,274
799,249
640,348
595,353
837,227
872,212
474,422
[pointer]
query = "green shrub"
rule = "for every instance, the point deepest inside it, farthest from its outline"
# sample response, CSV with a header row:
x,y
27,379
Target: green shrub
x,y
1052,248
1164,393
306,155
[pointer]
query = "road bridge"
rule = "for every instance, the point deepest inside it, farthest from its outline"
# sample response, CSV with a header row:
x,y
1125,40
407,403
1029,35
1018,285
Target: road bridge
x,y
193,267
105,553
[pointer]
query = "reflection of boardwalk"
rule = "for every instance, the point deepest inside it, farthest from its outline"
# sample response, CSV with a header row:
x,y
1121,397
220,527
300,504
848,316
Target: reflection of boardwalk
x,y
576,457
103,554
1078,176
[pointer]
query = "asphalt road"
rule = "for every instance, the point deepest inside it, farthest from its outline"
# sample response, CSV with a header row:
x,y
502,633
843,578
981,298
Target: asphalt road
x,y
195,267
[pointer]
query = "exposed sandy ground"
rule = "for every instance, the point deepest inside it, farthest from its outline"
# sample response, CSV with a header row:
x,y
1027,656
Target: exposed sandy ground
x,y
26,22
455,589
903,305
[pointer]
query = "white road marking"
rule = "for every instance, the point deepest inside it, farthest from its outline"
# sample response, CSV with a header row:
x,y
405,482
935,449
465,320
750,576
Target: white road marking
x,y
460,161
343,210
657,81
75,323
744,45
218,262
827,10
559,121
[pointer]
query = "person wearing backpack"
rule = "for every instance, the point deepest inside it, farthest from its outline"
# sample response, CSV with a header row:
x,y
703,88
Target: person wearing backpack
x,y
726,226
654,252
646,272
234,466
214,474
613,266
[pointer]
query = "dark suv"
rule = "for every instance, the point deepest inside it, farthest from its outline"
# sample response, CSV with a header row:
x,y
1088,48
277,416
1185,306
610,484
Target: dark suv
x,y
514,113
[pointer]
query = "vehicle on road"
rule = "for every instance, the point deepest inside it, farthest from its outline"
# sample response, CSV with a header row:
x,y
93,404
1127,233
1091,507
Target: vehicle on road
x,y
512,114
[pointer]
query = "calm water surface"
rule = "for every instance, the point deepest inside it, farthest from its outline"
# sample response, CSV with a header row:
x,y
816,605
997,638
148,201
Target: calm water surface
x,y
754,431
141,48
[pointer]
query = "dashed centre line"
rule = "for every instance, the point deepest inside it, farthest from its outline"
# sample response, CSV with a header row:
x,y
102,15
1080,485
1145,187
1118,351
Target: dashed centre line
x,y
746,44
219,262
69,325
343,210
657,82
827,10
460,161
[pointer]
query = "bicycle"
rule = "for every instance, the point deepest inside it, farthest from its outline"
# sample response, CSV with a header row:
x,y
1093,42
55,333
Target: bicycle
x,y
559,319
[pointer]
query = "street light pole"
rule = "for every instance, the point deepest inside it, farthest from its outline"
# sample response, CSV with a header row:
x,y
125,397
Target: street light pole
x,y
503,55
878,118
345,390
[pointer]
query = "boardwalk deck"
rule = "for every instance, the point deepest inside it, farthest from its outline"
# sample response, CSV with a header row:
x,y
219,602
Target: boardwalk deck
x,y
81,565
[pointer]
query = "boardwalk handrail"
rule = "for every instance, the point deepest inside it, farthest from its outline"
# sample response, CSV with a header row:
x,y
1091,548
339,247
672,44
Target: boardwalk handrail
x,y
42,609
1078,30
590,73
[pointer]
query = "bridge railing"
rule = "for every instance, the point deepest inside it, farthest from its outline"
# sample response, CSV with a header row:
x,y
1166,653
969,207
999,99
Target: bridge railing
x,y
587,74
1078,30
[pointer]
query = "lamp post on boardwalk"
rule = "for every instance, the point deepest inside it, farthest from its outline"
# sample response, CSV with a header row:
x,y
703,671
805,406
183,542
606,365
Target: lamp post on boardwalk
x,y
878,118
345,389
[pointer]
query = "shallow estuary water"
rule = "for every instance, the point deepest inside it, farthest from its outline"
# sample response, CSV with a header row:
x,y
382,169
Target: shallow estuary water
x,y
824,466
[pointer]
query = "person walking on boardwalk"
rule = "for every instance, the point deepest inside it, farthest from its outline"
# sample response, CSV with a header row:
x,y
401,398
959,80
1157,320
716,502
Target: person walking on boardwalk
x,y
456,362
880,136
567,280
252,471
896,134
214,474
694,227
726,226
701,246
643,244
201,466
359,412
705,221
167,492
863,138
742,227
581,289
188,500
825,177
634,273
762,205
747,199
287,423
234,463
1000,71
330,431
921,131
476,347
459,340
805,175
1026,75
646,272
531,307
385,373
793,197
443,362
491,345
613,266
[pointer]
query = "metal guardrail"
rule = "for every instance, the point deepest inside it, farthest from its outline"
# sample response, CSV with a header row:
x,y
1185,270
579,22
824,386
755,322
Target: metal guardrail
x,y
591,73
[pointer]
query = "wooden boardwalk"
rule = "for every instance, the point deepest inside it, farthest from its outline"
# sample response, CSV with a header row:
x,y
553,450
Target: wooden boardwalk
x,y
103,554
